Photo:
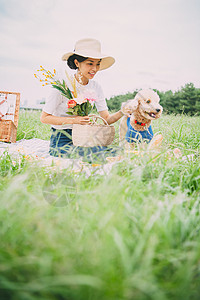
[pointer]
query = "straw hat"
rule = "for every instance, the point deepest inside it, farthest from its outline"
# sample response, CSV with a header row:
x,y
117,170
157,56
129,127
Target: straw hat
x,y
91,48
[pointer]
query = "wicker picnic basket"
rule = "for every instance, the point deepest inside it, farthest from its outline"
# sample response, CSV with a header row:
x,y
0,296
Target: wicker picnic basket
x,y
94,134
9,121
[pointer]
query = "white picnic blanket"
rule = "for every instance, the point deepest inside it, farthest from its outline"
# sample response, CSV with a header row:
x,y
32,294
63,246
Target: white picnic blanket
x,y
37,150
34,147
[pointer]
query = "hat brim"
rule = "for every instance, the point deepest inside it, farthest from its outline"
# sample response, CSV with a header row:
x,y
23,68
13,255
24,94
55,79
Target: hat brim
x,y
106,61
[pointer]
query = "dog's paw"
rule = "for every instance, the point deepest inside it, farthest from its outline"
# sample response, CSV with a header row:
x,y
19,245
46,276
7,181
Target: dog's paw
x,y
112,159
155,142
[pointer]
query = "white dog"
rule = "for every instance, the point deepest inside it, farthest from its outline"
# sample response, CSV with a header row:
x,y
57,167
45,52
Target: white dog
x,y
135,125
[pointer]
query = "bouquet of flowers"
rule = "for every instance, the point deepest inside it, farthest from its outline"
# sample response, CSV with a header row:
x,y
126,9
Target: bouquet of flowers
x,y
77,105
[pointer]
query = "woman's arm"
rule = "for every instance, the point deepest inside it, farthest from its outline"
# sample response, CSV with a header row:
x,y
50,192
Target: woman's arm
x,y
111,118
53,120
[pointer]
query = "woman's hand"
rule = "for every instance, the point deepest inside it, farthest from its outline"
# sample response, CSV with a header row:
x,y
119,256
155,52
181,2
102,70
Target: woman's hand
x,y
53,120
111,118
126,108
81,120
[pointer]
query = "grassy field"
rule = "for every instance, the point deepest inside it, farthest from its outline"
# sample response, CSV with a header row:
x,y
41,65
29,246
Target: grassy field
x,y
134,234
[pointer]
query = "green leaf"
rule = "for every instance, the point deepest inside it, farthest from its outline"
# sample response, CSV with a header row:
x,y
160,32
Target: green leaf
x,y
70,113
58,88
65,92
76,109
70,94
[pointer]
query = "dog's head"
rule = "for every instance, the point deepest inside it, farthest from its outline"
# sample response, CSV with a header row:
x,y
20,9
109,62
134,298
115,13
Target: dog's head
x,y
147,104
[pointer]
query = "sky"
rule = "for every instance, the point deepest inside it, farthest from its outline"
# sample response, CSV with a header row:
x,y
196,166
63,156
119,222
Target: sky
x,y
156,43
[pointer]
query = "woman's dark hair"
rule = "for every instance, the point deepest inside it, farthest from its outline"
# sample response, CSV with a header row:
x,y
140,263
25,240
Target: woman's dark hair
x,y
71,59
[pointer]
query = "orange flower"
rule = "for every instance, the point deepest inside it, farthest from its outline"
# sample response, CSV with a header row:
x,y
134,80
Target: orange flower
x,y
71,103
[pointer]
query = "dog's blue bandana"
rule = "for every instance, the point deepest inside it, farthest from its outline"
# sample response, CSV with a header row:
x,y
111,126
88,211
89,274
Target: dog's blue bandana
x,y
133,135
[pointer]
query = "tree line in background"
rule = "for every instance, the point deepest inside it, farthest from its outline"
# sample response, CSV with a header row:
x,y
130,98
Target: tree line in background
x,y
186,100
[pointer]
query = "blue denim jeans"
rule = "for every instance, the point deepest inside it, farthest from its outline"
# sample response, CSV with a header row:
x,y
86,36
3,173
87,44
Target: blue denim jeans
x,y
61,145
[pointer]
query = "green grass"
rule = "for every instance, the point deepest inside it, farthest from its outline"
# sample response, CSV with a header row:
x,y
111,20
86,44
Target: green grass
x,y
134,234
29,126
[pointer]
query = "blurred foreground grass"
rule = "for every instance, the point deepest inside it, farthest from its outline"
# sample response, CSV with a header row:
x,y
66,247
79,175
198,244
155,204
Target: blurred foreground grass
x,y
134,234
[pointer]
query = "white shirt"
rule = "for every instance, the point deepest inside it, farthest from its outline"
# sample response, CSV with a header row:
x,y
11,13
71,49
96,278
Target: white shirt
x,y
56,104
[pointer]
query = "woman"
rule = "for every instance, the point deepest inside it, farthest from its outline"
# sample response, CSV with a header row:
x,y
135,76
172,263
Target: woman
x,y
87,59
